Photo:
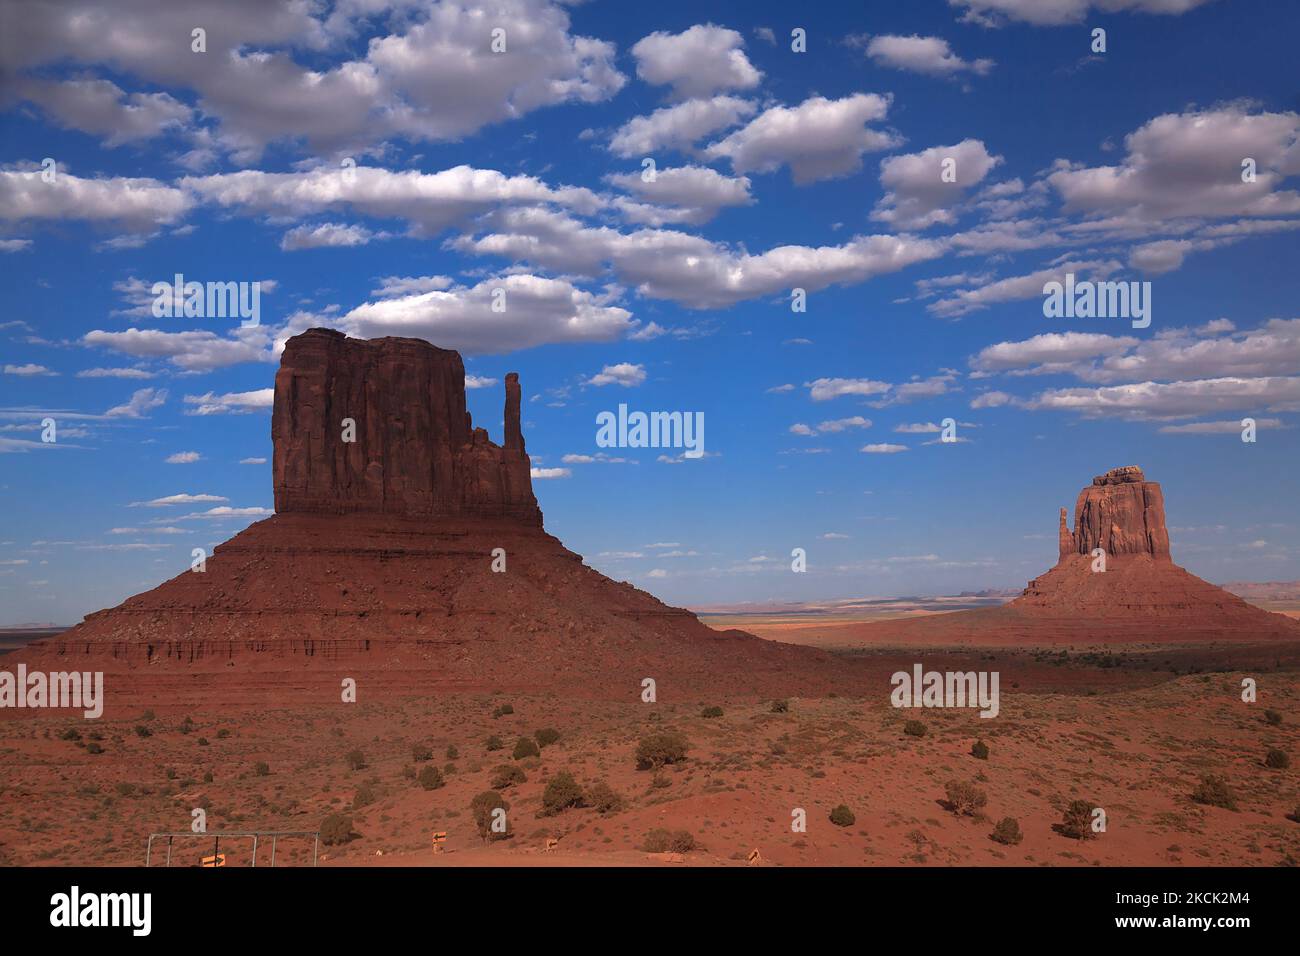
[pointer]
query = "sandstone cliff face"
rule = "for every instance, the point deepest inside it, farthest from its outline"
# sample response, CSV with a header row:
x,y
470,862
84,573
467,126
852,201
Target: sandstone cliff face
x,y
415,451
1120,512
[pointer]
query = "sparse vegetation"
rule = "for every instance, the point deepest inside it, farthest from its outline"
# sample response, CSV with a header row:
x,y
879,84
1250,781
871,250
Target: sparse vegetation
x,y
430,778
781,706
980,750
561,793
964,798
421,753
364,796
1273,717
452,752
665,841
503,710
507,775
142,731
336,829
657,750
263,769
356,760
914,728
1276,759
602,798
1007,832
483,808
711,712
524,747
1076,821
1214,792
492,743
842,816
546,736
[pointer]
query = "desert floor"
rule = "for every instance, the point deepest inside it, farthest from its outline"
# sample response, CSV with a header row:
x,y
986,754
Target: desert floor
x,y
1132,733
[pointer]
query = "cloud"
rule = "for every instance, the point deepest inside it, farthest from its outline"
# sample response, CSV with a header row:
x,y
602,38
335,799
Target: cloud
x,y
918,54
142,400
477,381
115,373
1218,428
1190,164
883,448
844,424
818,139
799,428
237,403
1154,400
624,373
693,194
543,474
537,311
1060,12
14,245
1014,288
194,351
700,61
824,389
916,194
991,400
102,108
678,127
183,458
28,370
178,499
328,235
390,286
252,461
139,205
224,511
1052,350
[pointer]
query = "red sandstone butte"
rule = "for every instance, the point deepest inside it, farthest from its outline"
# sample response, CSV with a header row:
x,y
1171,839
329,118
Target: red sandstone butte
x,y
379,560
1142,596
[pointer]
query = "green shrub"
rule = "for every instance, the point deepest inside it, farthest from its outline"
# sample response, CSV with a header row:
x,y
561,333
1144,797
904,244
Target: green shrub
x,y
602,798
503,710
1276,760
430,778
546,736
780,707
507,775
561,793
842,816
964,798
1273,717
1007,832
1214,791
364,797
223,733
482,807
1076,821
94,748
356,760
664,841
524,747
452,752
658,749
493,743
914,728
70,734
980,750
421,753
336,829
711,712
263,769
142,731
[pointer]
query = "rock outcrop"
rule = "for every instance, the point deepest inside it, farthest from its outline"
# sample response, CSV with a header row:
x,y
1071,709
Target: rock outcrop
x,y
380,426
1121,513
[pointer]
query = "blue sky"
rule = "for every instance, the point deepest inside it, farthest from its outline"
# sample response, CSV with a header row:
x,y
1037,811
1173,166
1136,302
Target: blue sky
x,y
776,170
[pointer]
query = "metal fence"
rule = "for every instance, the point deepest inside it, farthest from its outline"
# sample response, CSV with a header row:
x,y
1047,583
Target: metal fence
x,y
217,836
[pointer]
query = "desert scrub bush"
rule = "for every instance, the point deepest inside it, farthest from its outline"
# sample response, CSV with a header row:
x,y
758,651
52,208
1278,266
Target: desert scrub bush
x,y
1214,792
524,747
336,829
364,797
980,750
507,775
546,736
483,808
658,749
603,798
430,778
94,748
1273,717
1076,821
1007,832
711,712
842,816
914,728
503,710
492,743
780,707
142,731
263,769
421,753
964,798
452,752
1276,759
70,734
665,841
356,760
561,793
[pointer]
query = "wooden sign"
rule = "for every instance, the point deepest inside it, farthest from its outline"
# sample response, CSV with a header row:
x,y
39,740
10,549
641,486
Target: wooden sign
x,y
218,860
